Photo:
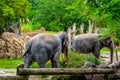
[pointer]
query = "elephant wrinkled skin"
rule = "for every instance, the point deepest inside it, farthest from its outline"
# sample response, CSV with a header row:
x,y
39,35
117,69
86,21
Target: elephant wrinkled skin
x,y
44,47
87,43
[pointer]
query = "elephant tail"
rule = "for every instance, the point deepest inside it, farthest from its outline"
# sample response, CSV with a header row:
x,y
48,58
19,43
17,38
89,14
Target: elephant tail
x,y
72,47
27,49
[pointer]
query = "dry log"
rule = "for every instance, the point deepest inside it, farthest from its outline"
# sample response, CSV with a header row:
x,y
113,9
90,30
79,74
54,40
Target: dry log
x,y
62,71
13,77
114,76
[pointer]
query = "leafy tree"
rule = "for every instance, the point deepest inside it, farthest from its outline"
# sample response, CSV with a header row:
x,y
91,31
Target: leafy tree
x,y
50,14
103,13
12,10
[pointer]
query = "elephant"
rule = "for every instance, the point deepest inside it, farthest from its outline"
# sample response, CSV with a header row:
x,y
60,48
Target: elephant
x,y
89,43
44,47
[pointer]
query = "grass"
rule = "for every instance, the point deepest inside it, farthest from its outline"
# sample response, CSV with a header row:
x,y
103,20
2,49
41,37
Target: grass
x,y
107,51
26,27
10,63
78,60
9,71
75,60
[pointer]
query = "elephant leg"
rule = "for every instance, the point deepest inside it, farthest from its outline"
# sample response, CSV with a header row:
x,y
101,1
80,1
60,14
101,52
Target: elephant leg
x,y
52,63
41,56
55,60
27,63
41,65
96,52
116,52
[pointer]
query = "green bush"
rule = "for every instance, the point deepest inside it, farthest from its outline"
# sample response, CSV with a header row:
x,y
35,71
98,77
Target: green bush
x,y
26,27
93,60
36,26
77,60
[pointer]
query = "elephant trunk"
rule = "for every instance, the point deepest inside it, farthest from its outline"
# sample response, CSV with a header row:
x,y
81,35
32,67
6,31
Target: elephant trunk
x,y
111,55
111,52
65,52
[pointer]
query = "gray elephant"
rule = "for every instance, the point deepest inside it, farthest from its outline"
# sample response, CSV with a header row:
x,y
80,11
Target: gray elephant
x,y
44,47
87,43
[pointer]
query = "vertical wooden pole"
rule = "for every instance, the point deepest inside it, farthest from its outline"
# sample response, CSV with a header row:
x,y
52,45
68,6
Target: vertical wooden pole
x,y
74,29
81,28
69,37
90,27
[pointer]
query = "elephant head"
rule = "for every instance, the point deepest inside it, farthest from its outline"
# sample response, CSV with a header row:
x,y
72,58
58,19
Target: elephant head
x,y
64,40
109,43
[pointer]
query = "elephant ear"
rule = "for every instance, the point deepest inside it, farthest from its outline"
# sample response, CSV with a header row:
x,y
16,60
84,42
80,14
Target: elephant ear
x,y
106,42
64,40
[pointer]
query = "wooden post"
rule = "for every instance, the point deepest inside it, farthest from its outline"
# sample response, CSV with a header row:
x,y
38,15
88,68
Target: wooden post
x,y
18,27
96,30
81,28
90,27
69,37
74,29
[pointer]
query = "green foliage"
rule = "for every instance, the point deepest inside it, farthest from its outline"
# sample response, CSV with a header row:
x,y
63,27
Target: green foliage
x,y
10,63
100,11
36,26
57,15
12,10
75,60
50,14
78,60
26,27
93,60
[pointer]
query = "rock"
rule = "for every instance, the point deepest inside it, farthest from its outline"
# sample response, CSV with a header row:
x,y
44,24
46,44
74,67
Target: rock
x,y
103,66
12,45
89,65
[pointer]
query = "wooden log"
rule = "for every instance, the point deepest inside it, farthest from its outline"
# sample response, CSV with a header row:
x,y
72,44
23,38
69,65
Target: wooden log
x,y
114,76
13,77
63,71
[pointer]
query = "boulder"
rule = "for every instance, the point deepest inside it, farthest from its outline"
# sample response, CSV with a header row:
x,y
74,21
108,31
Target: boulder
x,y
12,45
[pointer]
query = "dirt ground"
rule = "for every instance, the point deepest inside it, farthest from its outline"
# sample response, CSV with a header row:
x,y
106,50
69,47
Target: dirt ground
x,y
106,57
